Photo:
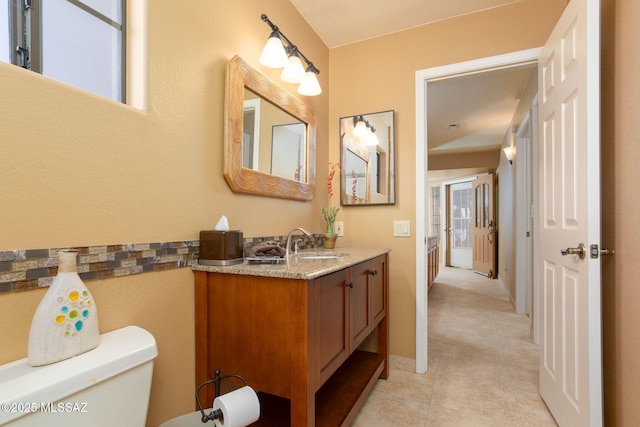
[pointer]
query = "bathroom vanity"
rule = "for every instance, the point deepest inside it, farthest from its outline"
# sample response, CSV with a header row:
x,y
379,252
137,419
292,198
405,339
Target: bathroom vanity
x,y
293,331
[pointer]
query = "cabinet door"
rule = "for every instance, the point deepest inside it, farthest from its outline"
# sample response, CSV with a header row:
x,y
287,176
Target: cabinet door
x,y
377,280
332,323
359,305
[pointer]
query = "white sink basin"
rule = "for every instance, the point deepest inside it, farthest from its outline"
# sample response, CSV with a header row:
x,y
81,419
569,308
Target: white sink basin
x,y
320,255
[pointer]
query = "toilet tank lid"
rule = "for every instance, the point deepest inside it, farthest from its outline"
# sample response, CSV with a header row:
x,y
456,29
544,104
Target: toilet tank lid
x,y
117,352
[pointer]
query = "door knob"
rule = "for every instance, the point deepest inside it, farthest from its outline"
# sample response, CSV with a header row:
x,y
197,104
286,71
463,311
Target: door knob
x,y
596,252
580,251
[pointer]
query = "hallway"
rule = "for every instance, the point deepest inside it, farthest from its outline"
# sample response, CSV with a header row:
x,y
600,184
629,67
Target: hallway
x,y
483,366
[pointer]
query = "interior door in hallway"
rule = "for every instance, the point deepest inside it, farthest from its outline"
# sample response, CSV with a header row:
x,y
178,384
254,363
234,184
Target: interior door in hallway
x,y
569,217
459,207
484,220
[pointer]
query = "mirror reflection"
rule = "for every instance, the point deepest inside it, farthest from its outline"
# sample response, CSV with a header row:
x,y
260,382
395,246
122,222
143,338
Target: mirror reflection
x,y
273,141
356,162
367,156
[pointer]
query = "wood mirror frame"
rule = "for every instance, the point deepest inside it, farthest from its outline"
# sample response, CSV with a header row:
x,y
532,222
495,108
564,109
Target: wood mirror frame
x,y
239,76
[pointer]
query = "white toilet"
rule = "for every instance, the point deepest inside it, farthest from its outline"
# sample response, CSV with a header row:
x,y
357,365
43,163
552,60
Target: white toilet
x,y
107,386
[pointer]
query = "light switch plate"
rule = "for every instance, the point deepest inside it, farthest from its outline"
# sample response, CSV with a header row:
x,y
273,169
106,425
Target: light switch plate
x,y
339,228
402,228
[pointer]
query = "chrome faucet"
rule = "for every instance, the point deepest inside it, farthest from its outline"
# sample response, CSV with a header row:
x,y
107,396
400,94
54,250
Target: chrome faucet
x,y
295,248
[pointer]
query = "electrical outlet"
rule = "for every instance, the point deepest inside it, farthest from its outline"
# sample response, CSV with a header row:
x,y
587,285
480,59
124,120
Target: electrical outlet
x,y
339,226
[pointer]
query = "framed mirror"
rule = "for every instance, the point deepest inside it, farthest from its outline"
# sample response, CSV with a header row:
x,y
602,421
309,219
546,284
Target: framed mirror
x,y
367,154
269,145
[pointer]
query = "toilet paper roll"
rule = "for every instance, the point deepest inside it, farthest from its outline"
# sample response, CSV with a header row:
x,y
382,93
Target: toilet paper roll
x,y
239,408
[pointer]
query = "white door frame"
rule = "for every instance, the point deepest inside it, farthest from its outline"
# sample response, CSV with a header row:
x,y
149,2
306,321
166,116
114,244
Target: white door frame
x,y
522,187
527,253
509,60
536,237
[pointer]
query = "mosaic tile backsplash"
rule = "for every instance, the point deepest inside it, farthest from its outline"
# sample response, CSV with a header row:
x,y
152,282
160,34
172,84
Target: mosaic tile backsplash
x,y
36,268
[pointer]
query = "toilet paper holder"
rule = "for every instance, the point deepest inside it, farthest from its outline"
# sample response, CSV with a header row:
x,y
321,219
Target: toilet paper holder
x,y
216,414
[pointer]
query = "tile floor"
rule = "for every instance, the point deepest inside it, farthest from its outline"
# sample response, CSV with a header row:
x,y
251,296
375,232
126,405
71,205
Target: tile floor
x,y
483,365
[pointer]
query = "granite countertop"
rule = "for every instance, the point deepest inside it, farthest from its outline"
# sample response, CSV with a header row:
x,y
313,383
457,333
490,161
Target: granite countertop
x,y
297,268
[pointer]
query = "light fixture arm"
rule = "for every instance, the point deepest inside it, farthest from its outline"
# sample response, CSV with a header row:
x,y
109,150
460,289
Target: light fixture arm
x,y
290,46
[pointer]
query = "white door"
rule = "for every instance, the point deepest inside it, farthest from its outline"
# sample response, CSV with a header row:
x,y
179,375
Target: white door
x,y
459,225
569,216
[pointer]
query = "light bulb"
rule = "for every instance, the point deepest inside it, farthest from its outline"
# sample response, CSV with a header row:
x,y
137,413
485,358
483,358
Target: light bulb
x,y
294,71
510,153
273,55
361,128
309,85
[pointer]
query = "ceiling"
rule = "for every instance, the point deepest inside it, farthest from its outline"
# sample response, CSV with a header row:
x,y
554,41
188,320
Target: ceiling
x,y
482,104
340,22
473,113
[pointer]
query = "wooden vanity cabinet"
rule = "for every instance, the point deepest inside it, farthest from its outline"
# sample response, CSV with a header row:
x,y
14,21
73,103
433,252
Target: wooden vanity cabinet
x,y
378,282
295,341
359,304
332,323
367,299
350,304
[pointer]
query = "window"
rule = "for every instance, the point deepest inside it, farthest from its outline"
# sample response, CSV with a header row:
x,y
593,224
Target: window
x,y
461,203
435,211
77,42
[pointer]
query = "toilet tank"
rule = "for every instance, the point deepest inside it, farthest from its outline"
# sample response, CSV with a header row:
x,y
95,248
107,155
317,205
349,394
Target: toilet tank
x,y
107,386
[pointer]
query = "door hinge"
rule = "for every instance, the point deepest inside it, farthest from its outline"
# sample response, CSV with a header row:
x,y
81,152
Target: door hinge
x,y
23,53
23,57
595,252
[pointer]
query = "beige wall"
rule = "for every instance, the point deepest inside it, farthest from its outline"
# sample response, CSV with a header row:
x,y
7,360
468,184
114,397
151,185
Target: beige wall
x,y
479,159
78,170
379,74
621,203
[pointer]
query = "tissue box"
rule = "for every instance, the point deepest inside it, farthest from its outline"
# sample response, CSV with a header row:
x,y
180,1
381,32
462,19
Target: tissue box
x,y
221,247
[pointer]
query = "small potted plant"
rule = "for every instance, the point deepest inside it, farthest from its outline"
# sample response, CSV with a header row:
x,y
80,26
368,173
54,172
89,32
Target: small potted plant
x,y
329,212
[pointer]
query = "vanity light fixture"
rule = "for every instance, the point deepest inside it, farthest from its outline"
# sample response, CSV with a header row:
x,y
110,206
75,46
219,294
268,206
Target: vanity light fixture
x,y
509,153
359,126
273,55
364,130
373,138
310,86
294,71
276,55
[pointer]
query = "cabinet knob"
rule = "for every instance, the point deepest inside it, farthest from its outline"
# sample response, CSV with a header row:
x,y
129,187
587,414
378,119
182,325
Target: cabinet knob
x,y
373,272
350,285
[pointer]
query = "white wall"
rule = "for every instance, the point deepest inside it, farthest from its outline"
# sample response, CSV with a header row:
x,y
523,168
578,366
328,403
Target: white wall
x,y
506,195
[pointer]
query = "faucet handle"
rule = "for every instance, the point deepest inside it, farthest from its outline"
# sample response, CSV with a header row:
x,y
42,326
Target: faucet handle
x,y
296,246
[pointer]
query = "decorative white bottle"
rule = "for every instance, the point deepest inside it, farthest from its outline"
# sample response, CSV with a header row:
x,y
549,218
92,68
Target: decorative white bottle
x,y
66,321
